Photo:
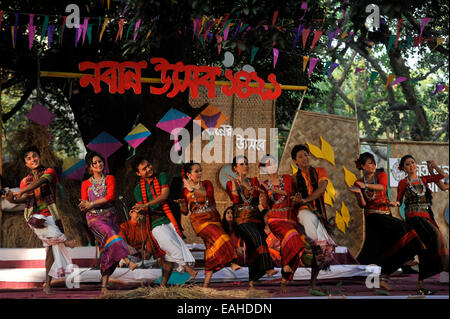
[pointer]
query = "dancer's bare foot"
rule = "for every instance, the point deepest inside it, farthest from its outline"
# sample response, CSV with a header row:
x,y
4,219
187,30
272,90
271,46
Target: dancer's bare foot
x,y
235,266
193,273
384,285
283,286
271,272
104,290
71,243
48,290
287,268
251,285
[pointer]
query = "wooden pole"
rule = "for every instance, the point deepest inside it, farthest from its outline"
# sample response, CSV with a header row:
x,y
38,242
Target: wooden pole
x,y
1,153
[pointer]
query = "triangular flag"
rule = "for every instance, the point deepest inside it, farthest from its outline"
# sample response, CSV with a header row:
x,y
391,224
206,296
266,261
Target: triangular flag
x,y
50,33
105,22
358,70
253,53
119,33
331,34
391,42
439,88
331,69
398,80
399,26
439,41
423,23
325,69
389,80
31,32
373,75
274,19
317,35
305,34
305,62
312,65
275,57
44,28
136,28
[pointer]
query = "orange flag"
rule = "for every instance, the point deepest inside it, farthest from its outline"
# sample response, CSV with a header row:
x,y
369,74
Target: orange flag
x,y
390,78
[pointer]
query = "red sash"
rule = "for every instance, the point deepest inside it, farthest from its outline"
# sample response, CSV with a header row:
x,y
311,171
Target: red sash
x,y
164,205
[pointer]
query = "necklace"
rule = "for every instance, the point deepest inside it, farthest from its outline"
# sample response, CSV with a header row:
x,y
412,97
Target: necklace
x,y
272,194
370,194
415,188
241,193
98,186
200,206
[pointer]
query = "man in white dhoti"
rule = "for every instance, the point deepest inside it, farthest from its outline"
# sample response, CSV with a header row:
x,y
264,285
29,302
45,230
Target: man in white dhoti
x,y
151,195
38,193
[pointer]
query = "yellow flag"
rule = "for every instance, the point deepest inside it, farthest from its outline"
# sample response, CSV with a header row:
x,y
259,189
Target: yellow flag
x,y
340,224
294,169
350,178
345,214
305,62
331,191
327,151
105,22
148,34
327,199
439,41
344,34
317,152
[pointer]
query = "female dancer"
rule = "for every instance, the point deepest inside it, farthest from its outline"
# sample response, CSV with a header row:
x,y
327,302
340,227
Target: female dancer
x,y
38,192
245,193
282,220
229,227
389,242
198,198
413,190
97,200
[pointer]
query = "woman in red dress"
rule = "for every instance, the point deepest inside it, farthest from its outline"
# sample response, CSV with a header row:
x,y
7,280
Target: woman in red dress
x,y
198,199
413,190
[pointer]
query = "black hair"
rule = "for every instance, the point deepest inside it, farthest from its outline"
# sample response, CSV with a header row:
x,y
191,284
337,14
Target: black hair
x,y
28,149
136,162
403,160
225,223
187,167
89,158
363,158
297,148
236,158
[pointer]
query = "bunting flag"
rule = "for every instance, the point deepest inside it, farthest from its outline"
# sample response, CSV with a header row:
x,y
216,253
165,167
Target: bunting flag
x,y
136,28
253,53
325,69
331,69
398,80
358,70
120,32
391,42
89,33
305,34
331,34
148,34
275,57
1,17
305,62
62,30
423,23
439,41
31,32
312,65
103,29
297,35
439,88
373,76
304,7
50,33
389,80
274,19
44,29
317,35
16,26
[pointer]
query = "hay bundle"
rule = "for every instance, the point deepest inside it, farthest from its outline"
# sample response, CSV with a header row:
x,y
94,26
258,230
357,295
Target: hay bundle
x,y
185,292
14,231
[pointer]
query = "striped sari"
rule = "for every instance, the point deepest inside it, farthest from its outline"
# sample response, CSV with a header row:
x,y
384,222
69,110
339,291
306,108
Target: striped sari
x,y
205,221
283,224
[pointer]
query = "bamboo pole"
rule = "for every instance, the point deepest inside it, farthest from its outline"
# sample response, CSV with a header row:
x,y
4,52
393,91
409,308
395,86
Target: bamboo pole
x,y
71,75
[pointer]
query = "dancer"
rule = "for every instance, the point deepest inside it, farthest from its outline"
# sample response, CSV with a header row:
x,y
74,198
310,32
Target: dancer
x,y
151,195
38,193
309,185
245,193
389,241
97,200
281,218
229,226
413,190
198,199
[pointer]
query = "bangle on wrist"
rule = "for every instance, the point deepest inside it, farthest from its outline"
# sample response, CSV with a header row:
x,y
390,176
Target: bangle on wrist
x,y
92,204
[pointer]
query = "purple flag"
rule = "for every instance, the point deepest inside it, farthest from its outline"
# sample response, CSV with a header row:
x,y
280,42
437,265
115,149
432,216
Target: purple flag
x,y
312,65
439,88
331,69
398,80
275,57
50,32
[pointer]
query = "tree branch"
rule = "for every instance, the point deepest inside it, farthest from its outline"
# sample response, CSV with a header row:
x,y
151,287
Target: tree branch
x,y
432,70
441,131
19,104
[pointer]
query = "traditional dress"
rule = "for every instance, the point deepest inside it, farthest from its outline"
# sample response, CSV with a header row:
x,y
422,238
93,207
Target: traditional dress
x,y
312,216
418,200
274,245
103,222
139,236
389,241
205,220
283,224
250,227
164,227
41,213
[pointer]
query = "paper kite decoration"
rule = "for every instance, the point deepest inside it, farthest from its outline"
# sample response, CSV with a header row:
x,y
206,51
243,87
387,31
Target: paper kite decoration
x,y
73,168
294,169
350,178
137,135
211,118
325,152
330,194
104,144
173,122
40,115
